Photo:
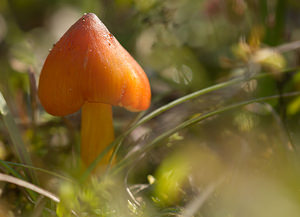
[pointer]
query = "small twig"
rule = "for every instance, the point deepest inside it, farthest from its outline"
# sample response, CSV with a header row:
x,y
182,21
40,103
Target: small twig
x,y
22,183
288,46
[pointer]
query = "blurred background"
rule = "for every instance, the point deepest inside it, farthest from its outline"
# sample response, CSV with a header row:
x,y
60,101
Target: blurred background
x,y
238,161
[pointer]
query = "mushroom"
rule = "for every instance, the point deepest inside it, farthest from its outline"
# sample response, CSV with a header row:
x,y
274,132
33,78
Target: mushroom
x,y
89,69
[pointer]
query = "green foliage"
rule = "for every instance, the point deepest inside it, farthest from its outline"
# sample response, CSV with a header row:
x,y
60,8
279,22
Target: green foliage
x,y
16,138
170,178
220,138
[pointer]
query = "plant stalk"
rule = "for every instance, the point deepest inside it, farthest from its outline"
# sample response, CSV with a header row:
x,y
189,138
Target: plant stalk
x,y
97,132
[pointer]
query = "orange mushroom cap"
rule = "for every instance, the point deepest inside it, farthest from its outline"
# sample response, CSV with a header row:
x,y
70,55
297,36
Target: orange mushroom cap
x,y
88,64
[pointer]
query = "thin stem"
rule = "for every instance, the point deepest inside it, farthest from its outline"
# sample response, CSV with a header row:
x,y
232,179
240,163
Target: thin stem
x,y
118,141
22,183
186,98
192,121
177,102
18,144
16,174
96,132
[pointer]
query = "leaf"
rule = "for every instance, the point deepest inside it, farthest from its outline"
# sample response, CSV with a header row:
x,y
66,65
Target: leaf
x,y
294,106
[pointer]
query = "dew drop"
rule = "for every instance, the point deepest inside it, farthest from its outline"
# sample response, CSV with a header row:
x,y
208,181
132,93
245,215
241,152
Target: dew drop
x,y
49,49
83,20
85,14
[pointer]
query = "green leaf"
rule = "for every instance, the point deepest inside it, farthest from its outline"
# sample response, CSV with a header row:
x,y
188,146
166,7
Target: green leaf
x,y
294,106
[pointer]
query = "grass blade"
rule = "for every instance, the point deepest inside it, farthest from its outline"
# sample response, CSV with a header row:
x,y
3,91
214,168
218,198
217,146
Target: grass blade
x,y
18,175
192,121
10,169
15,135
7,164
118,141
22,183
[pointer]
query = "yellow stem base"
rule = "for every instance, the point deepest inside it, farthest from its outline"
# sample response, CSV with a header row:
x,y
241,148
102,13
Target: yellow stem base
x,y
96,132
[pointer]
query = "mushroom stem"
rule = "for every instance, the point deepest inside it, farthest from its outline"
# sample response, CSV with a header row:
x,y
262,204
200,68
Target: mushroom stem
x,y
97,132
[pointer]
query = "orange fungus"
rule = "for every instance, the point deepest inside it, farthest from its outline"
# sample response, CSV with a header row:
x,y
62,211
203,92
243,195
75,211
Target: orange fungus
x,y
88,64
